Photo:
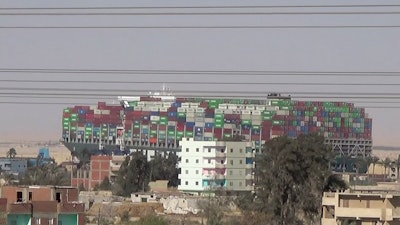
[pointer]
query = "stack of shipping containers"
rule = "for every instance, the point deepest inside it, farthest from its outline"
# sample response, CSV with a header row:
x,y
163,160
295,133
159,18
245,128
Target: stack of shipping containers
x,y
151,121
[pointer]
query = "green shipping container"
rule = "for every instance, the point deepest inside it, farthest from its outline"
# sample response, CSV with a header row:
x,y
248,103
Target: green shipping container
x,y
66,123
67,110
189,134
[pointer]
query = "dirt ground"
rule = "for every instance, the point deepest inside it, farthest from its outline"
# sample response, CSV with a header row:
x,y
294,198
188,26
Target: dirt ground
x,y
57,151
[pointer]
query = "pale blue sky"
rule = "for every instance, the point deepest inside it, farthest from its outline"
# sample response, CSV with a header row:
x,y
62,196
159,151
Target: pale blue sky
x,y
322,49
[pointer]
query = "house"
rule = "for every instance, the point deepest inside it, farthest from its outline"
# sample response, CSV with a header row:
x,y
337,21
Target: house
x,y
42,205
360,208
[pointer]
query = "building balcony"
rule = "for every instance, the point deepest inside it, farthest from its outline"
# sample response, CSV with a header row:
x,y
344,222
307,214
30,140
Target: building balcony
x,y
366,213
250,166
249,177
220,154
219,176
329,199
220,165
250,155
115,167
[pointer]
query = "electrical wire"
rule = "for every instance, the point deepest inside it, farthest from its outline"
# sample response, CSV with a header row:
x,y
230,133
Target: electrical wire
x,y
197,72
212,27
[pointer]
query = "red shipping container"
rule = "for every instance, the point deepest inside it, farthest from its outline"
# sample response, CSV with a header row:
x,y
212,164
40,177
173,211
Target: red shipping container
x,y
207,129
162,127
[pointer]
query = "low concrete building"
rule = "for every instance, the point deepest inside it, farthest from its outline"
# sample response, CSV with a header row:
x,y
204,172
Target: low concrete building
x,y
360,208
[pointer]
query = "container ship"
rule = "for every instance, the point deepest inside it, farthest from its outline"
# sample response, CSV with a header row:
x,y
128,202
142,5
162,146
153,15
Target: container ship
x,y
159,122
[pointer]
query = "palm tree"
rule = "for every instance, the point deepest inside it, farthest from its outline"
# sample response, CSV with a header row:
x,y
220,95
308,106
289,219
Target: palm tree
x,y
374,161
386,163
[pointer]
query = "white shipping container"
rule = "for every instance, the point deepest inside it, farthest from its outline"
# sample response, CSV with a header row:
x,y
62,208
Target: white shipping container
x,y
163,109
199,119
256,112
208,134
190,110
171,123
318,123
194,104
97,111
141,103
93,107
261,108
190,114
256,122
105,112
246,112
330,124
250,107
281,112
306,118
209,120
181,109
185,105
154,118
81,129
315,119
246,116
154,109
199,110
270,108
158,104
190,119
302,123
199,124
166,104
223,106
228,126
219,111
228,111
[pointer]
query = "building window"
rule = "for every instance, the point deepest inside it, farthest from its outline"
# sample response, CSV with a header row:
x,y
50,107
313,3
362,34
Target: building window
x,y
186,183
51,221
187,149
240,150
240,161
197,183
222,150
231,149
231,162
58,197
30,196
19,196
37,220
231,183
197,149
230,173
187,160
187,171
209,161
209,149
197,172
197,161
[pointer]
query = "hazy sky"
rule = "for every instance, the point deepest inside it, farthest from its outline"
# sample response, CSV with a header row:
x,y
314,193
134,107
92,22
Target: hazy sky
x,y
322,49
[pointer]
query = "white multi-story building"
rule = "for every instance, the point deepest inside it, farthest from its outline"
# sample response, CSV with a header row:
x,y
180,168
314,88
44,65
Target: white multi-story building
x,y
208,165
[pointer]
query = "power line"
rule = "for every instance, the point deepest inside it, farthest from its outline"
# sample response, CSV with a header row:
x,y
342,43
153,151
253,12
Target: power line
x,y
198,72
211,27
193,13
206,7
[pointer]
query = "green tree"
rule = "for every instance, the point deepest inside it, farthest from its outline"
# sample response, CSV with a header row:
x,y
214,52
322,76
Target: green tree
x,y
47,174
374,161
134,174
386,163
292,176
11,153
164,168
